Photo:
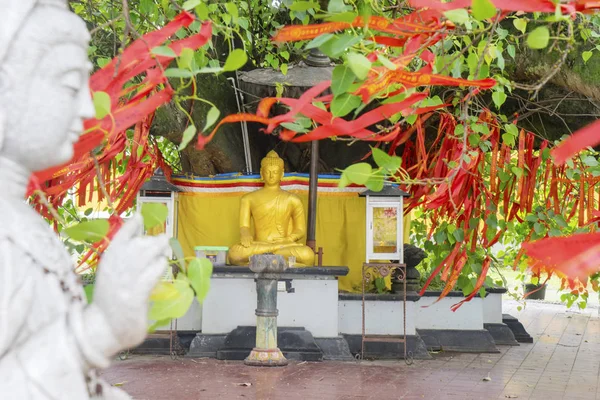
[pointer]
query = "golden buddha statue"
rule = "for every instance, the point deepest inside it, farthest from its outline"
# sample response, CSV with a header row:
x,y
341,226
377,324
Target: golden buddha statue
x,y
279,221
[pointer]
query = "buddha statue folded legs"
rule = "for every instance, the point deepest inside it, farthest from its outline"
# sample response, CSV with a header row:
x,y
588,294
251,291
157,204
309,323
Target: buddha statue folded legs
x,y
240,255
278,216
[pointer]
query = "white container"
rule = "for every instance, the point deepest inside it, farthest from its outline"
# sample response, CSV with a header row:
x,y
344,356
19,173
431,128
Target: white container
x,y
216,254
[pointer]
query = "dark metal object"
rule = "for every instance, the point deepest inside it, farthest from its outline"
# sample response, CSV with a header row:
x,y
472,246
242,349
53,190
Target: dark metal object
x,y
317,59
368,275
320,257
312,195
158,183
387,191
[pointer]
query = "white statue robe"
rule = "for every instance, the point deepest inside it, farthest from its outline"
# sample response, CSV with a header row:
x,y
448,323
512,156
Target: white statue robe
x,y
43,348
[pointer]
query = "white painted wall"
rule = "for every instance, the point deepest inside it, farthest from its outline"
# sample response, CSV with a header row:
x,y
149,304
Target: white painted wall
x,y
492,308
382,317
439,315
385,317
231,302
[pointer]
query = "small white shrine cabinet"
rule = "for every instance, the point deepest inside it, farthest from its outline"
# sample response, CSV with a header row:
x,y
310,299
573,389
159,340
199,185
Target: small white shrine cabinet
x,y
159,190
385,232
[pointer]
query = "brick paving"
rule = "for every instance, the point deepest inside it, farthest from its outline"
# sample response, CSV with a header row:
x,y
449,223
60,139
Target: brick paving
x,y
562,363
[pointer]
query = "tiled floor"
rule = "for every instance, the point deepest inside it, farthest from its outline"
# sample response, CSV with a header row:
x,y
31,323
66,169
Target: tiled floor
x,y
562,363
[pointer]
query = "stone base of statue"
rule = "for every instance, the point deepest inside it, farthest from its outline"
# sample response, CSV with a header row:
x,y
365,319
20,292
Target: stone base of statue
x,y
266,358
268,268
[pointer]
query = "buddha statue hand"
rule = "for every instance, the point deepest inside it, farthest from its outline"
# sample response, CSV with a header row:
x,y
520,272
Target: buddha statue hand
x,y
127,273
246,238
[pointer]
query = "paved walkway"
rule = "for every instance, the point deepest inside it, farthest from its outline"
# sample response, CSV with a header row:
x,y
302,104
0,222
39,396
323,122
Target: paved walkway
x,y
562,363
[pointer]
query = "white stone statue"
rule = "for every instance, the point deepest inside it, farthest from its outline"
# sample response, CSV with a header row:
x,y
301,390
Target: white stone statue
x,y
51,341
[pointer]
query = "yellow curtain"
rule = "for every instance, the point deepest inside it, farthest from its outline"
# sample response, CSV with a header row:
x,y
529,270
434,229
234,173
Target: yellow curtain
x,y
207,219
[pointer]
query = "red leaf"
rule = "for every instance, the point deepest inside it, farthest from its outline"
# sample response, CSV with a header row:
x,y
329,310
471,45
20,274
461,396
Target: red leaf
x,y
576,256
584,137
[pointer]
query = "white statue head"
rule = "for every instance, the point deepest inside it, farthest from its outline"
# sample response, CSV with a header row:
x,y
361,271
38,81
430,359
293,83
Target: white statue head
x,y
44,82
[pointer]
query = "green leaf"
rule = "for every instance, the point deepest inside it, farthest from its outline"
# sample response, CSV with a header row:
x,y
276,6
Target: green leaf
x,y
383,160
472,61
319,41
208,70
560,221
344,104
510,49
538,38
102,61
586,56
175,307
341,79
236,60
459,235
341,43
102,104
199,273
458,16
336,6
185,58
202,11
535,280
512,129
189,4
188,135
520,24
232,10
178,252
88,231
344,181
517,171
211,117
358,173
347,17
532,218
164,51
482,293
304,5
539,228
474,140
499,98
284,68
158,324
164,291
154,214
359,64
386,62
590,161
376,182
178,73
554,232
483,9
294,127
89,292
380,285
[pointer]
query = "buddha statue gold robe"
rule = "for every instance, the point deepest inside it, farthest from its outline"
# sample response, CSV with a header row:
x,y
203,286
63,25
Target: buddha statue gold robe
x,y
279,220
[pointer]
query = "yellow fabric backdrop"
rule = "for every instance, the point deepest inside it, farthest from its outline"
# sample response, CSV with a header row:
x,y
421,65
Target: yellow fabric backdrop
x,y
206,219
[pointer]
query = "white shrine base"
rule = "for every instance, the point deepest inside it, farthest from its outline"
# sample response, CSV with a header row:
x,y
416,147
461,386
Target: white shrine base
x,y
311,301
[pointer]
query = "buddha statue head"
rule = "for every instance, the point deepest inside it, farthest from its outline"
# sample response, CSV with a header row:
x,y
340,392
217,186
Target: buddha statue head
x,y
44,76
271,169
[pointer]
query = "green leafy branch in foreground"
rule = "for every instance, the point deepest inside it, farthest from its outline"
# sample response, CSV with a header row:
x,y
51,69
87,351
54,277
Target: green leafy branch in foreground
x,y
171,298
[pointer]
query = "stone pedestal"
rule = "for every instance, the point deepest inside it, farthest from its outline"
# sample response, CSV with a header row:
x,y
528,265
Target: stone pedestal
x,y
269,268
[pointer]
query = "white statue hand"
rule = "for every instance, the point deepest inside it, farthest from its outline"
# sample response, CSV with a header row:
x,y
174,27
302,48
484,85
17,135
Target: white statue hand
x,y
127,273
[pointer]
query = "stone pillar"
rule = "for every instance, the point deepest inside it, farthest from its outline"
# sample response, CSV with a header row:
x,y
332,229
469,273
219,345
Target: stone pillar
x,y
268,268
